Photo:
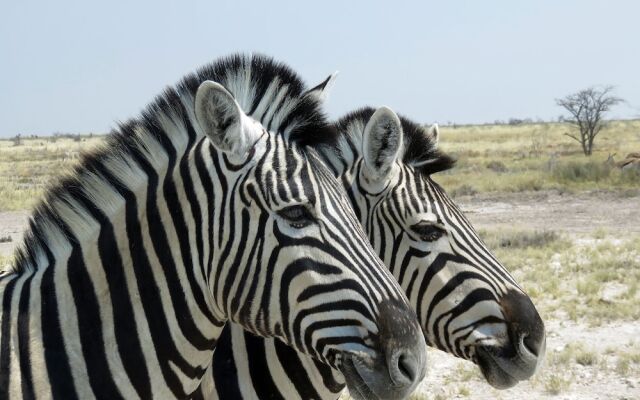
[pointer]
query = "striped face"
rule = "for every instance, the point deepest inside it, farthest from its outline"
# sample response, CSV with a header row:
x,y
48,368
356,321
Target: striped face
x,y
467,302
295,263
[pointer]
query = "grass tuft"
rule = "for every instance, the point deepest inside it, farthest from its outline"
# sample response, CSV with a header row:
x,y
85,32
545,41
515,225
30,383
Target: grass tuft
x,y
556,384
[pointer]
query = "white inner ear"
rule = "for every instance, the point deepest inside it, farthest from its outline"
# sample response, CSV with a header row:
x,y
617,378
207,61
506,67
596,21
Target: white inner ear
x,y
222,120
434,132
381,143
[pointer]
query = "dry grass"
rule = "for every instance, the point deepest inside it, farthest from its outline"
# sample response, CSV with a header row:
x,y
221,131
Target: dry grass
x,y
492,158
502,158
594,280
26,170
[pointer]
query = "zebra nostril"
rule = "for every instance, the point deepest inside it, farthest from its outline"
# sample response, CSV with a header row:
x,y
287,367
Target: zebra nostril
x,y
407,366
402,344
529,345
524,323
534,345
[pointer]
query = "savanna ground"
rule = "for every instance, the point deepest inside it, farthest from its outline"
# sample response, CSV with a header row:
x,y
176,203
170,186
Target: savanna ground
x,y
567,226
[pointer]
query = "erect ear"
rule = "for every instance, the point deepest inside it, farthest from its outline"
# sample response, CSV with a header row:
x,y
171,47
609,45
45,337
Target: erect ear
x,y
434,132
222,120
321,91
381,142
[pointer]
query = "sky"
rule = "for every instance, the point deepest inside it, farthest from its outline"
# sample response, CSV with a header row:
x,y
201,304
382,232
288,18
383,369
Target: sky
x,y
81,66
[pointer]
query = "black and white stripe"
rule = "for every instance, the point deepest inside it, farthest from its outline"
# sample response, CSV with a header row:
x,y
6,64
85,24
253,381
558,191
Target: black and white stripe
x,y
211,206
467,302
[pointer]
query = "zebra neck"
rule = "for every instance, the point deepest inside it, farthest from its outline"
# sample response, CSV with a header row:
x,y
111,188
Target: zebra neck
x,y
115,250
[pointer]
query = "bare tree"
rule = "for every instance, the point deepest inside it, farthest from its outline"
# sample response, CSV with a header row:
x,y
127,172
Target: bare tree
x,y
587,108
17,140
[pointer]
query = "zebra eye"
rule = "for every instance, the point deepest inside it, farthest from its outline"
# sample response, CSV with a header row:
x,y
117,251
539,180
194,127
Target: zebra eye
x,y
297,216
428,231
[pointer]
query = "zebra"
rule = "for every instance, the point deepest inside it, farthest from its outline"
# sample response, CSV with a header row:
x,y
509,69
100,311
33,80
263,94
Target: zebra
x,y
212,206
467,302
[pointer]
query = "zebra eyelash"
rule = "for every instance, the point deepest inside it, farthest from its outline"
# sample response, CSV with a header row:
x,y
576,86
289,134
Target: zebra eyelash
x,y
297,216
428,231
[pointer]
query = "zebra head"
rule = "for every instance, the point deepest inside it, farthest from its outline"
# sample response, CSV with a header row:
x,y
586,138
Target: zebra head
x,y
466,301
294,262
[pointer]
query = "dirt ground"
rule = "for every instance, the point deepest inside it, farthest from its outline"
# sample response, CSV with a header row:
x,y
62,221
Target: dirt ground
x,y
591,382
574,214
12,224
563,213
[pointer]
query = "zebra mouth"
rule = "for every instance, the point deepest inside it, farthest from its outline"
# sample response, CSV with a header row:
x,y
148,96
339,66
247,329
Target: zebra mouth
x,y
358,387
369,378
505,367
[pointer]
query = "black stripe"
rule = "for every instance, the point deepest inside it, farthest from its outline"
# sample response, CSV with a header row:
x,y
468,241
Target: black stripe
x,y
194,204
222,181
56,359
224,370
5,339
185,318
471,299
290,361
237,259
150,293
439,262
90,325
411,254
332,306
207,184
259,367
124,323
228,245
24,340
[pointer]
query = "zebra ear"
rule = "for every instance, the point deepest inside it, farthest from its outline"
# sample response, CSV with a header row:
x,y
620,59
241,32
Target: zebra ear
x,y
322,90
381,142
434,133
222,120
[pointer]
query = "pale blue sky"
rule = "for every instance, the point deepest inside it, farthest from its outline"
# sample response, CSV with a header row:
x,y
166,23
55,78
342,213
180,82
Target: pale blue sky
x,y
78,66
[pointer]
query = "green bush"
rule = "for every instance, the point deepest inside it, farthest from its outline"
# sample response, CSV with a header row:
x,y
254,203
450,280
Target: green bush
x,y
463,190
630,176
496,166
574,171
519,239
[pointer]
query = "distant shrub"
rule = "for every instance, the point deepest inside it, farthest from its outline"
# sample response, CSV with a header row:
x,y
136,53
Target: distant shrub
x,y
463,190
518,121
527,183
585,357
573,171
5,239
630,176
17,140
539,140
522,240
496,166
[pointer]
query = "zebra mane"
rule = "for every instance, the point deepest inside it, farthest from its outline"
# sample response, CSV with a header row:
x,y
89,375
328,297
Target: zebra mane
x,y
268,91
419,150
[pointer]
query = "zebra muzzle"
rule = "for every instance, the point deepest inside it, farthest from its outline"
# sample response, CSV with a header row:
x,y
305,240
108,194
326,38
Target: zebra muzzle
x,y
399,362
